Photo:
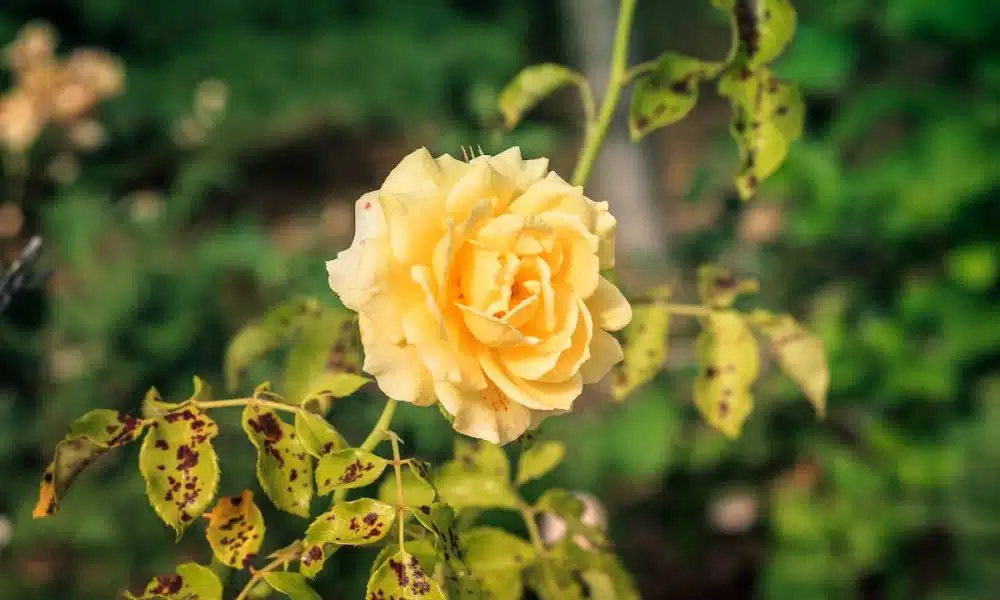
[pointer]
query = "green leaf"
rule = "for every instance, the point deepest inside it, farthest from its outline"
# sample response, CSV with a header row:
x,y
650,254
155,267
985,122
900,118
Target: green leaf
x,y
497,559
324,362
465,487
482,457
570,509
191,582
348,468
293,585
317,435
284,470
768,115
762,29
728,364
402,577
355,523
800,354
154,406
268,333
645,345
89,438
439,520
180,466
666,93
553,582
235,530
416,491
538,460
531,86
717,287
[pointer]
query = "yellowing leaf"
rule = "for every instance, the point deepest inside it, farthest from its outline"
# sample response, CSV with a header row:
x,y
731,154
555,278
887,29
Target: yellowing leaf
x,y
490,551
422,548
191,582
767,117
317,435
180,466
717,287
762,28
538,460
463,487
347,469
531,86
402,577
284,470
644,346
235,530
481,456
666,93
416,492
355,523
729,363
268,333
154,406
324,362
89,438
292,585
800,354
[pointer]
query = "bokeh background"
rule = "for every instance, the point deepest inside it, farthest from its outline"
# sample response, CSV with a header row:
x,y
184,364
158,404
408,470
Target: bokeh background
x,y
224,175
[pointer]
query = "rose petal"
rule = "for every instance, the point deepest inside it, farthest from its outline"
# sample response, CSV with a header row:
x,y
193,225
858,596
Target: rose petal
x,y
605,352
609,307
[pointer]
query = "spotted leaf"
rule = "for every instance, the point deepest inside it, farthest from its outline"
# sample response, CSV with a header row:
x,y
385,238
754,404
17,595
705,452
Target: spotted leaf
x,y
180,466
422,548
717,287
317,435
191,581
800,354
728,364
645,345
403,577
268,333
768,115
667,92
532,85
235,530
439,520
154,406
293,585
482,457
284,470
89,438
324,362
762,29
348,468
569,509
538,460
355,523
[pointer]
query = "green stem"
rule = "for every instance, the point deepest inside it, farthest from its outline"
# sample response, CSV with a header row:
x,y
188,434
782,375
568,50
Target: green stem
x,y
528,514
244,401
397,466
376,435
280,561
596,131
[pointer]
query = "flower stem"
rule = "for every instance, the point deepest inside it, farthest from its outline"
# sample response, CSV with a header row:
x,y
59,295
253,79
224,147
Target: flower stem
x,y
528,514
376,435
596,131
397,466
257,575
244,401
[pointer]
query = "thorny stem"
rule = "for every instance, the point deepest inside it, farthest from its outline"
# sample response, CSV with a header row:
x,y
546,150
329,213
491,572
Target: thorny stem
x,y
597,130
376,435
397,465
259,574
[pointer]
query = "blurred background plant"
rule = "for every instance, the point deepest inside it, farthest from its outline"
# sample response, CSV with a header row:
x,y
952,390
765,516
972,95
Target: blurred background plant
x,y
222,176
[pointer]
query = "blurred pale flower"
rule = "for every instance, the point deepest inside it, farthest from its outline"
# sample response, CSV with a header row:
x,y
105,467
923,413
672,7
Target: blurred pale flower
x,y
6,531
88,134
64,168
477,284
762,223
144,205
100,72
20,121
11,220
553,528
734,511
35,43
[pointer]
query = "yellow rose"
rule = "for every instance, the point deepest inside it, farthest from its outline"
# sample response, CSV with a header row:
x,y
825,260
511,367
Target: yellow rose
x,y
477,284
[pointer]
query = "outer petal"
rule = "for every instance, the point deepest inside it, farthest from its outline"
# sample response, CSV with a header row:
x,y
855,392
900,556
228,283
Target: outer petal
x,y
415,171
480,182
360,272
415,221
398,370
539,395
609,307
605,228
605,352
485,415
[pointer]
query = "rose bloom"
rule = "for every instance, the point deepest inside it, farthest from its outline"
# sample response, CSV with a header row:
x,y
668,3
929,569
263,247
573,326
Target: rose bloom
x,y
477,284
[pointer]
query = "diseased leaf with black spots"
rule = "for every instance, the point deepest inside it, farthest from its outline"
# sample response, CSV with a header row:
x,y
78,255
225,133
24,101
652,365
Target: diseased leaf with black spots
x,y
717,287
667,92
191,582
728,364
347,469
284,469
89,438
644,345
422,548
529,87
762,29
800,354
293,585
355,523
317,435
180,466
482,457
154,406
439,519
275,328
768,115
403,577
235,530
324,362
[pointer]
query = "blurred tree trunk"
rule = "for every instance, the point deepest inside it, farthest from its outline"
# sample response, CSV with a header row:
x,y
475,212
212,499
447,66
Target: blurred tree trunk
x,y
623,174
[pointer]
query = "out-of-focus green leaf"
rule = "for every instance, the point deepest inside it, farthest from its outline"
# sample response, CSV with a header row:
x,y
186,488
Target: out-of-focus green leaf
x,y
529,87
667,92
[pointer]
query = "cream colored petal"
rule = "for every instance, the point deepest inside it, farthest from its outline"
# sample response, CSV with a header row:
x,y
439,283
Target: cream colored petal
x,y
425,333
359,272
606,228
480,182
605,352
484,415
369,219
578,351
415,221
416,170
500,233
442,260
397,369
523,173
452,169
532,394
610,309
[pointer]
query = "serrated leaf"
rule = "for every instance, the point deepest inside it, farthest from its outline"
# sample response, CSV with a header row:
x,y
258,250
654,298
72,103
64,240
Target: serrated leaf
x,y
89,438
464,487
266,334
644,346
531,86
800,354
293,585
416,492
347,469
355,523
284,470
728,364
235,530
717,287
538,460
666,93
402,577
191,582
324,362
768,115
180,466
317,435
762,28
